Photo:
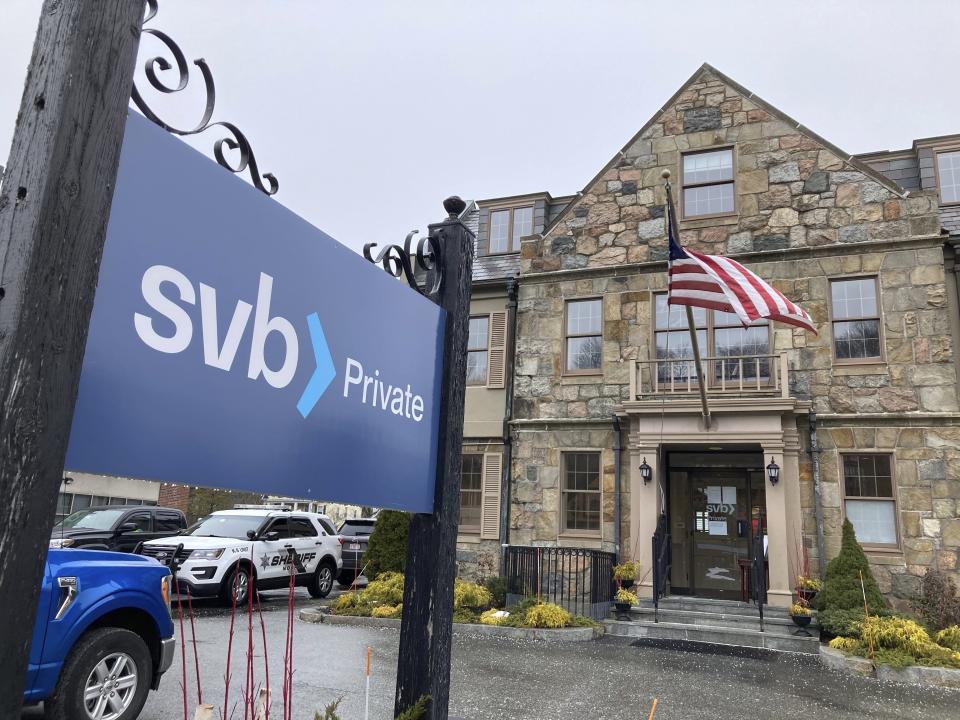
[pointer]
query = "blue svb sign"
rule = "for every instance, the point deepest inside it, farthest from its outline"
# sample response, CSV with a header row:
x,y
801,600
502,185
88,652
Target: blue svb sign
x,y
234,345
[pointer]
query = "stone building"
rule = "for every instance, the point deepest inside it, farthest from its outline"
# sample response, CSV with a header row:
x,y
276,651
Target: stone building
x,y
863,243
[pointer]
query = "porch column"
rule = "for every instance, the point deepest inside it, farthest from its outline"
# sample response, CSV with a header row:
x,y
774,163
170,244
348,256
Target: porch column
x,y
779,525
645,502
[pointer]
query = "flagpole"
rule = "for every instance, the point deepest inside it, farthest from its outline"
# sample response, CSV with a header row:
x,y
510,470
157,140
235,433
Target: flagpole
x,y
690,322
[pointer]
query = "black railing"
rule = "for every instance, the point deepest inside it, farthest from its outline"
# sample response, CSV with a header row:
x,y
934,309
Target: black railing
x,y
579,580
758,574
661,563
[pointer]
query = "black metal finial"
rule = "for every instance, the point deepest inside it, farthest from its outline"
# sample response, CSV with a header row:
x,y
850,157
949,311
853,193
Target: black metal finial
x,y
454,205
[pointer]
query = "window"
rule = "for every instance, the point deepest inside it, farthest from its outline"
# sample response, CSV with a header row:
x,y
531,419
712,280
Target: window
x,y
719,335
280,526
855,319
63,505
948,170
581,492
869,499
708,183
507,227
328,528
583,335
101,500
301,527
80,502
141,520
168,522
477,346
471,493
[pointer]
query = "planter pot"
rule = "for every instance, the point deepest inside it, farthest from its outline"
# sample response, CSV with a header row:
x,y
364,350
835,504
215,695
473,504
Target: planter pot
x,y
807,595
627,584
802,621
622,610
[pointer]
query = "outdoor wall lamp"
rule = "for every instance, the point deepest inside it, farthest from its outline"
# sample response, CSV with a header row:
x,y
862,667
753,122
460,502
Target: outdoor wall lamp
x,y
773,472
646,472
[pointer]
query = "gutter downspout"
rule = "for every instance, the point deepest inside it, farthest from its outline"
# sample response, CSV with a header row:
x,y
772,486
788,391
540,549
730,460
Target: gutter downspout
x,y
507,417
617,511
817,494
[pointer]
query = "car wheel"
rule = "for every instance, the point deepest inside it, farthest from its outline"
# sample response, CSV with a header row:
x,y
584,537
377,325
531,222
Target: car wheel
x,y
346,577
238,581
322,582
106,677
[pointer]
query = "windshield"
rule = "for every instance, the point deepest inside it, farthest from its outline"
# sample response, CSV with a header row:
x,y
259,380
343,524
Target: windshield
x,y
226,526
356,527
91,519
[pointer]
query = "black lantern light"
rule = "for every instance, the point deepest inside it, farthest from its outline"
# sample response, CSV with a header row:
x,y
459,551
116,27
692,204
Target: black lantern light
x,y
773,472
646,472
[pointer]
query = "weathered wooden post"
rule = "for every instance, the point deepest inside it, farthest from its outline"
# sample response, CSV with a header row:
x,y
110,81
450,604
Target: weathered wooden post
x,y
54,208
426,631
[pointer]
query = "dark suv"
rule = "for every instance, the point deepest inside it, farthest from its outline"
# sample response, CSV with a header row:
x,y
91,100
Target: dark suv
x,y
116,527
355,534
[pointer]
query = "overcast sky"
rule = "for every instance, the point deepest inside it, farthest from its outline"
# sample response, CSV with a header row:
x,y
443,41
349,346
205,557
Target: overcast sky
x,y
370,113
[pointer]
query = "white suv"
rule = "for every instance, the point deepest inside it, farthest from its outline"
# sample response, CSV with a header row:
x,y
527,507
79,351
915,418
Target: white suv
x,y
222,550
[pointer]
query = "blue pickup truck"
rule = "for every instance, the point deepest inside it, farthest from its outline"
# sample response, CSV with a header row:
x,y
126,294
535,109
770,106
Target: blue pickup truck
x,y
103,635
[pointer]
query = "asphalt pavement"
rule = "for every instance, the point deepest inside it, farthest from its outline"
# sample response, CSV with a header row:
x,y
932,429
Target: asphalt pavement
x,y
527,680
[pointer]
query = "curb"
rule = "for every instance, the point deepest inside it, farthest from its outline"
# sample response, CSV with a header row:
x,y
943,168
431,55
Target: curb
x,y
580,634
913,675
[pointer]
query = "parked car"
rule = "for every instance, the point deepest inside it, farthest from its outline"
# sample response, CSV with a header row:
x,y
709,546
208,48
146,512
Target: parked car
x,y
356,536
116,527
221,551
103,635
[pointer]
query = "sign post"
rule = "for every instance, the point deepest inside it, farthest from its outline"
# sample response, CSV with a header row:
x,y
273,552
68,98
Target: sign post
x,y
54,207
426,630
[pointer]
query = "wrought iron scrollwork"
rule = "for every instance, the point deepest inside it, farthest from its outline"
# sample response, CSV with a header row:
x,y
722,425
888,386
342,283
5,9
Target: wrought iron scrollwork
x,y
153,68
399,260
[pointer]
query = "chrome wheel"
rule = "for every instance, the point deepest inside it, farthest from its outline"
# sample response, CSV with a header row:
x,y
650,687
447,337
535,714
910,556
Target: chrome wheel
x,y
325,580
110,687
241,586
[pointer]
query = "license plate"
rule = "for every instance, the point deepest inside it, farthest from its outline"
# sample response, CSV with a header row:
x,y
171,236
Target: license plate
x,y
353,546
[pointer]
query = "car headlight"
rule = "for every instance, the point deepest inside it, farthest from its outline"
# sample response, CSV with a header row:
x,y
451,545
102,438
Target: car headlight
x,y
165,593
61,542
207,554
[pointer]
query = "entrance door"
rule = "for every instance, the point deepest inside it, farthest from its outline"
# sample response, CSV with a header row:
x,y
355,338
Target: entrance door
x,y
728,508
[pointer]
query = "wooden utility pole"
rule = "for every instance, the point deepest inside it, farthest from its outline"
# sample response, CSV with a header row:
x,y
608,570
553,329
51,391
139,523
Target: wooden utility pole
x,y
426,631
54,207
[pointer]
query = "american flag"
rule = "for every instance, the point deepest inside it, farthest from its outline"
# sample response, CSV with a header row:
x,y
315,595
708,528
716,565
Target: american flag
x,y
719,283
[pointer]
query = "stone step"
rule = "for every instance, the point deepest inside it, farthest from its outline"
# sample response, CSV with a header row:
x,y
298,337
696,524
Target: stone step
x,y
776,638
709,605
716,619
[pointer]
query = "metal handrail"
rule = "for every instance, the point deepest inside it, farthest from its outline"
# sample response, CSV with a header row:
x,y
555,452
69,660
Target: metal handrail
x,y
661,563
725,374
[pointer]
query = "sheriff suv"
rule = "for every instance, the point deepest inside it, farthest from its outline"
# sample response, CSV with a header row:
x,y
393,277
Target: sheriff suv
x,y
226,549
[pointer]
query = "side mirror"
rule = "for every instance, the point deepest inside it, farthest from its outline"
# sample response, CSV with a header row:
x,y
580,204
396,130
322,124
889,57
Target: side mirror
x,y
251,535
127,527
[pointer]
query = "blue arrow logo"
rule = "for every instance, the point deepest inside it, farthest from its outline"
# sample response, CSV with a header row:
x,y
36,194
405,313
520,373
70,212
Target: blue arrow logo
x,y
325,372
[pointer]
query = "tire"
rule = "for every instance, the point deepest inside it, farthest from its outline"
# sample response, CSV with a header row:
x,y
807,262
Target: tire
x,y
346,577
98,654
322,581
244,579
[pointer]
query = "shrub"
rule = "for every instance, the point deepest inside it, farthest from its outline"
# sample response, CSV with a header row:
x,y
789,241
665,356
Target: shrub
x,y
387,548
896,633
949,638
386,589
938,604
465,615
387,611
347,601
547,615
847,644
487,617
582,621
470,595
841,587
497,587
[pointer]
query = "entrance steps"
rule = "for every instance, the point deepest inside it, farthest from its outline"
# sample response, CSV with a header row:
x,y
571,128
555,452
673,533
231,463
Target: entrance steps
x,y
690,622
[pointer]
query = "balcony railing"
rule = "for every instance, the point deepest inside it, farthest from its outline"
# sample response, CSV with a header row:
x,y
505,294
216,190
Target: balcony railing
x,y
740,375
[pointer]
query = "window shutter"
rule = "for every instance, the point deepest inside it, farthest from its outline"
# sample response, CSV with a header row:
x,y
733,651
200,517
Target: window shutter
x,y
498,349
490,511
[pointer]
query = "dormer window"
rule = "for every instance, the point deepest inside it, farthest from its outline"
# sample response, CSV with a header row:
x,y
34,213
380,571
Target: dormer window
x,y
507,227
948,171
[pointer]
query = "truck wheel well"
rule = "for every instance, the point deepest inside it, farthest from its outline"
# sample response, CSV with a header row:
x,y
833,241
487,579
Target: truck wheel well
x,y
136,621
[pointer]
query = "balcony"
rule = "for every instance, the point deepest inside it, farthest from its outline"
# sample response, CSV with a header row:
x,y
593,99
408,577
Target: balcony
x,y
728,376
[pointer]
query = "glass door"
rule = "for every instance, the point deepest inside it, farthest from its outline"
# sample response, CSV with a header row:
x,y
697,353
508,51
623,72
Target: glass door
x,y
721,505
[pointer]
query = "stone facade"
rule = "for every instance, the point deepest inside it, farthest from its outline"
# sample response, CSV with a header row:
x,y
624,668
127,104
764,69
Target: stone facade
x,y
805,213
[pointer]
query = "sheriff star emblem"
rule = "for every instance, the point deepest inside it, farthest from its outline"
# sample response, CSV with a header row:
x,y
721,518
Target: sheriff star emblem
x,y
264,561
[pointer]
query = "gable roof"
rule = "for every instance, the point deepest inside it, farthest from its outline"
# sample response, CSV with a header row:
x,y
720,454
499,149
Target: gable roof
x,y
848,158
